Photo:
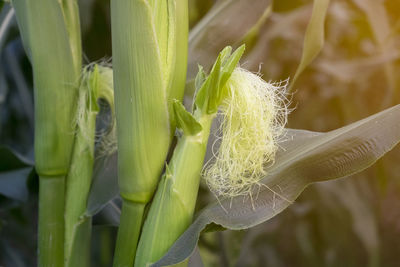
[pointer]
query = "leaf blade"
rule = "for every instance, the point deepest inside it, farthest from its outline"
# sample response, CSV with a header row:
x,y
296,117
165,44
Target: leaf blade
x,y
360,143
314,37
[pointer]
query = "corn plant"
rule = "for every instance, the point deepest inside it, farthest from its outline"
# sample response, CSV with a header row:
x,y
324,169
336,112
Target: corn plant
x,y
257,169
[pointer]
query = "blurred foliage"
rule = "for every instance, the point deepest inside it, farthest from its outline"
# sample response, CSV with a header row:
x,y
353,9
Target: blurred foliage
x,y
351,222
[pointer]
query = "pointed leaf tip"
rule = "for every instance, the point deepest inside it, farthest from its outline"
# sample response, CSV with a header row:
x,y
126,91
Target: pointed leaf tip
x,y
185,119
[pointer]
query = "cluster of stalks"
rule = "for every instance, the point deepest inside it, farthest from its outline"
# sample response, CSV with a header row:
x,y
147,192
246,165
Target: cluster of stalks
x,y
149,40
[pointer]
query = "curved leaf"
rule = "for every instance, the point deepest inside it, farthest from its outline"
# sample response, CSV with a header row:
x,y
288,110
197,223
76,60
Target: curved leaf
x,y
11,160
14,172
211,34
6,20
304,158
314,37
105,184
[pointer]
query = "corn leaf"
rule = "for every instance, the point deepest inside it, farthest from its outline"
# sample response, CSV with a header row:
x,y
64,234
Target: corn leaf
x,y
14,172
185,120
305,158
211,35
104,186
6,20
314,37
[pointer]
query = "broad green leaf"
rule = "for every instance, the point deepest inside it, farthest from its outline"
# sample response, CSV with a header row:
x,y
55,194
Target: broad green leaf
x,y
13,183
14,172
226,23
6,20
304,158
105,184
11,160
314,37
109,215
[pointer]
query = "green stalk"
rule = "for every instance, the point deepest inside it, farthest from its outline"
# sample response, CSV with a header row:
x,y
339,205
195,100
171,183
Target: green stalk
x,y
78,186
56,75
51,221
130,227
149,72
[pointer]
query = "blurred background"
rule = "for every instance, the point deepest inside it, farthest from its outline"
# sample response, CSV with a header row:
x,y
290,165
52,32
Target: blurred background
x,y
347,222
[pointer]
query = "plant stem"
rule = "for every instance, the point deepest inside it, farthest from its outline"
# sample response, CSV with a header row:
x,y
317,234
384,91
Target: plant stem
x,y
56,75
78,186
128,233
51,221
79,255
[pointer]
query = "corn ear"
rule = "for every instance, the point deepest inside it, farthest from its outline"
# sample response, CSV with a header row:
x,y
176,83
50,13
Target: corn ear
x,y
148,71
141,79
96,83
174,202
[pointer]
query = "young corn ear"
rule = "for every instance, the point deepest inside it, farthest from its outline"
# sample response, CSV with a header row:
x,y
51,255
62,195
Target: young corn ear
x,y
96,83
174,202
149,70
56,67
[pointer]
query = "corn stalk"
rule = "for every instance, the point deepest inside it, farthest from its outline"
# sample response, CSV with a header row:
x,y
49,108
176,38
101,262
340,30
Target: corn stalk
x,y
56,70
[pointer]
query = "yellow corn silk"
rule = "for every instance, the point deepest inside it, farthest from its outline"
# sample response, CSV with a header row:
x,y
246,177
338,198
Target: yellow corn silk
x,y
254,113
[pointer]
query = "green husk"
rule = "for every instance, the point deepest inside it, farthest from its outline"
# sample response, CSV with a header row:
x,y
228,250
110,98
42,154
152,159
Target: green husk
x,y
140,96
96,83
173,205
148,71
174,202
